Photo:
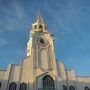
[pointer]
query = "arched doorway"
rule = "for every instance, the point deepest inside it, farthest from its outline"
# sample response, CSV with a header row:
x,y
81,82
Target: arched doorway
x,y
0,84
64,87
86,88
72,87
23,86
48,83
12,86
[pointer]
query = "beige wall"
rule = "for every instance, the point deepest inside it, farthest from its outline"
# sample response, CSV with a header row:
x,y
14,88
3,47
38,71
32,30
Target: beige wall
x,y
33,76
26,74
41,61
70,75
2,74
61,70
14,73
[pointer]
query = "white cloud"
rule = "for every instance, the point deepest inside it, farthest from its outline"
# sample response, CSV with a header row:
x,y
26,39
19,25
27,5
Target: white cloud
x,y
19,10
12,16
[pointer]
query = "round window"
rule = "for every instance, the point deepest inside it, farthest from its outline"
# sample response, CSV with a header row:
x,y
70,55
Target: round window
x,y
42,41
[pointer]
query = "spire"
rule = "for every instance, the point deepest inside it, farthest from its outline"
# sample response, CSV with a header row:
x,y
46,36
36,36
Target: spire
x,y
39,24
39,18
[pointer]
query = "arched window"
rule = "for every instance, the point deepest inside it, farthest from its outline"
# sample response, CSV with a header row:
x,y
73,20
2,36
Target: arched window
x,y
48,82
72,88
86,88
13,86
23,86
40,28
64,87
0,84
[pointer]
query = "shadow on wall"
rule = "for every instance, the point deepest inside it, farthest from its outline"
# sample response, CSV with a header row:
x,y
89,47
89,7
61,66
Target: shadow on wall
x,y
47,84
4,85
75,85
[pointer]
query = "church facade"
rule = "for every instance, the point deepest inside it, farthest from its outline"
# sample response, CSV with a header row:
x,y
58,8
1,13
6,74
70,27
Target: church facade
x,y
40,70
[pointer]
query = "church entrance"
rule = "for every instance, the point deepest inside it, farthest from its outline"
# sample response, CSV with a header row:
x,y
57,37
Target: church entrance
x,y
48,83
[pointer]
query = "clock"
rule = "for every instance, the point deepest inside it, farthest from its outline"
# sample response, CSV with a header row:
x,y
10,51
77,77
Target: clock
x,y
42,42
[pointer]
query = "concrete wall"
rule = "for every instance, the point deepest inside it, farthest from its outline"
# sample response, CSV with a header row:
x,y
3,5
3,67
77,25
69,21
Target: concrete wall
x,y
61,70
26,73
2,74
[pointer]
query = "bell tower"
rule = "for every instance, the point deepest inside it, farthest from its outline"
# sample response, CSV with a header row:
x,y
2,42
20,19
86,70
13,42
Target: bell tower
x,y
41,44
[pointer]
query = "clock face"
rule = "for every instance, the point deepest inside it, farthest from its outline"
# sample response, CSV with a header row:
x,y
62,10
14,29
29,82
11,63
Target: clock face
x,y
43,42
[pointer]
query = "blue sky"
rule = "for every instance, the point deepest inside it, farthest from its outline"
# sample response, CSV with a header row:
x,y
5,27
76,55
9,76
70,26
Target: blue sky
x,y
68,20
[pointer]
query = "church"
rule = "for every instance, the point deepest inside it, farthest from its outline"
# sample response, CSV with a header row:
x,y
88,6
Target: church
x,y
40,70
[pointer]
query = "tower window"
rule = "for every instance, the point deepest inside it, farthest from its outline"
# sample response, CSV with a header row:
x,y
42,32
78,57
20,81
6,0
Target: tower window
x,y
64,87
48,83
72,88
42,41
13,86
23,86
40,28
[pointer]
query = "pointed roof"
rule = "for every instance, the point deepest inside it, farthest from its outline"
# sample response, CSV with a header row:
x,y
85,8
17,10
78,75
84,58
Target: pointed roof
x,y
39,19
39,24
